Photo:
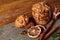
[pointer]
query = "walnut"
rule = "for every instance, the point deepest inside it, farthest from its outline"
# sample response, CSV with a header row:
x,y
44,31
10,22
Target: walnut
x,y
41,13
21,21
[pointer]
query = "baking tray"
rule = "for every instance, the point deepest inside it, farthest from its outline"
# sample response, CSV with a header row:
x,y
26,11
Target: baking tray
x,y
9,32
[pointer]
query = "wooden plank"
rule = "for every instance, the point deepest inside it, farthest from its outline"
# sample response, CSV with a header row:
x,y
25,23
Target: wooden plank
x,y
9,12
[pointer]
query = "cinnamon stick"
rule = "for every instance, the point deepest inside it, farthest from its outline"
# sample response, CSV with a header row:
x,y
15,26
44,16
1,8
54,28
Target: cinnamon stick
x,y
44,32
50,32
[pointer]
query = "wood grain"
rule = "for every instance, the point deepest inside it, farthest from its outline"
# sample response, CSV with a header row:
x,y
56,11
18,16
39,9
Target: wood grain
x,y
10,11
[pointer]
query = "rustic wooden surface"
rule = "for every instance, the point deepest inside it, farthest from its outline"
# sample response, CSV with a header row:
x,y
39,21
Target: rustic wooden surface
x,y
10,9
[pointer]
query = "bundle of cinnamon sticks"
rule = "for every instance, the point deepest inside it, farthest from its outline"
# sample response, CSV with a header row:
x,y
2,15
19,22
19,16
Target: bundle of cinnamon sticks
x,y
50,29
